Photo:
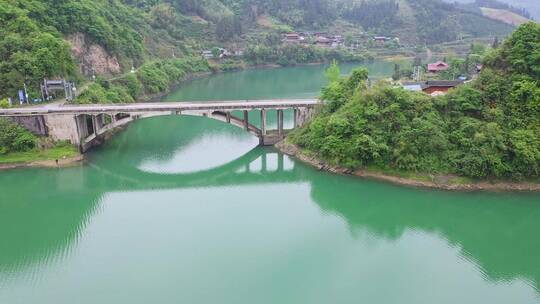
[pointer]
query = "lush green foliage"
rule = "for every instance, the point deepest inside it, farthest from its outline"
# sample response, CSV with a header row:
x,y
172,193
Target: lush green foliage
x,y
333,73
291,54
439,22
490,128
59,151
14,138
152,78
33,33
29,50
379,15
4,103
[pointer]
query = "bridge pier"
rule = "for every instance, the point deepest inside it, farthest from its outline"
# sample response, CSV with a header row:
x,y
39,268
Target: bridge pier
x,y
263,122
246,120
280,122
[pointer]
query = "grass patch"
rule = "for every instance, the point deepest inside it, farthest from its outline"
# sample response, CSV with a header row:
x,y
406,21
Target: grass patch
x,y
58,152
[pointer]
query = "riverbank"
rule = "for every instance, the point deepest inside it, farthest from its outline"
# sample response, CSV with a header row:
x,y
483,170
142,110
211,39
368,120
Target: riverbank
x,y
57,157
441,182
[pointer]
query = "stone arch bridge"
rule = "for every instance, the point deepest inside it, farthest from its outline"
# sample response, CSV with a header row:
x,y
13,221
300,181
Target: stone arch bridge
x,y
86,125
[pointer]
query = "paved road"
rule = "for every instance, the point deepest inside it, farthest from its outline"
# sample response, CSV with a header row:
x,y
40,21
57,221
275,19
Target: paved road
x,y
160,107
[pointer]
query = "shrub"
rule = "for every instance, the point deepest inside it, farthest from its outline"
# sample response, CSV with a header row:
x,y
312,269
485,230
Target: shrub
x,y
14,138
4,103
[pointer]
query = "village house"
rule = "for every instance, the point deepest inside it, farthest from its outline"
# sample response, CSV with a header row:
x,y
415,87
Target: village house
x,y
330,41
323,41
381,39
224,53
207,54
221,53
294,38
437,67
432,87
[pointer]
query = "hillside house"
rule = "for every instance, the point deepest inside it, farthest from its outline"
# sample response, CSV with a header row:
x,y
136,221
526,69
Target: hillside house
x,y
323,41
432,87
380,39
438,87
437,67
294,38
207,54
224,53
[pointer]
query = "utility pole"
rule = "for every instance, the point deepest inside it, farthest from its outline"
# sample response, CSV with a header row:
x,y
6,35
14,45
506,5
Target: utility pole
x,y
25,93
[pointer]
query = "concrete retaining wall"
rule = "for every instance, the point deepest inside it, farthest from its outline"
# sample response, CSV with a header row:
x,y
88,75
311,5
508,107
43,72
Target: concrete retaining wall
x,y
34,124
63,127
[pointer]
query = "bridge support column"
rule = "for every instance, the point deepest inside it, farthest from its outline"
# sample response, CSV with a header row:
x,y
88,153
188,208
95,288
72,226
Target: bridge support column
x,y
263,163
263,122
280,122
82,126
95,123
295,118
280,162
228,115
301,116
246,120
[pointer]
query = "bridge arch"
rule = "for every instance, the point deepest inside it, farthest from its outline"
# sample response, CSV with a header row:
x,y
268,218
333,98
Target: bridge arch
x,y
100,129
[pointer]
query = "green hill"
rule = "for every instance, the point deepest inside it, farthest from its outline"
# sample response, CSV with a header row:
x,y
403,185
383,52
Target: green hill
x,y
485,129
51,38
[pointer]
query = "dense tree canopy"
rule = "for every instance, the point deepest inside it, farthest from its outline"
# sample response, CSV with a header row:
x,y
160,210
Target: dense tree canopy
x,y
29,52
489,128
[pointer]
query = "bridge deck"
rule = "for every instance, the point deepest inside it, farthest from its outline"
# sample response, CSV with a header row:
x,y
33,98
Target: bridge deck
x,y
160,107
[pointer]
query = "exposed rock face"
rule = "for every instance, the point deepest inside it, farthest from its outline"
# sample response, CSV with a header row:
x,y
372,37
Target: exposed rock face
x,y
93,58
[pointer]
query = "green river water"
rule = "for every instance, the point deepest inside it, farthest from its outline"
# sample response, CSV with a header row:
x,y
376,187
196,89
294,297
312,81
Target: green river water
x,y
188,210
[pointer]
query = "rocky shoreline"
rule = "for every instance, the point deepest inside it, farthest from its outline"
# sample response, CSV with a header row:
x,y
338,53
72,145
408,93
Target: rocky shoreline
x,y
441,183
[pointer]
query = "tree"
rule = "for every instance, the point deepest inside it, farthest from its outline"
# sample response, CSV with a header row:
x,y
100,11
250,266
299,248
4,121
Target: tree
x,y
495,43
225,28
397,73
333,72
216,52
14,138
4,103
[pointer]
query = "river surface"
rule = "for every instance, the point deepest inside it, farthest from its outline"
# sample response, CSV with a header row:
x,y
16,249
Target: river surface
x,y
188,210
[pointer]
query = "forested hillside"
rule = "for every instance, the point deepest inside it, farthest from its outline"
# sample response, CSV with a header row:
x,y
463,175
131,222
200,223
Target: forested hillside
x,y
526,8
80,38
486,129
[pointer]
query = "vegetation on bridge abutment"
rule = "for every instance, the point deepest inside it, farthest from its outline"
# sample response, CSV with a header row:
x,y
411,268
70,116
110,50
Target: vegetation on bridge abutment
x,y
488,129
20,147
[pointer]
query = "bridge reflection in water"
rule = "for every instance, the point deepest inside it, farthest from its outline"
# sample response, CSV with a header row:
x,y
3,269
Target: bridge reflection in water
x,y
481,226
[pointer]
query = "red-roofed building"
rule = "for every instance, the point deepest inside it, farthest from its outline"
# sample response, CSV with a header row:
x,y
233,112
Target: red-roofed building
x,y
438,66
